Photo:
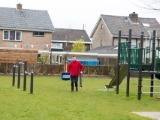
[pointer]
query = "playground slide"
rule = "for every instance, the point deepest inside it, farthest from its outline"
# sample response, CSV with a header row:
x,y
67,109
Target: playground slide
x,y
157,76
122,75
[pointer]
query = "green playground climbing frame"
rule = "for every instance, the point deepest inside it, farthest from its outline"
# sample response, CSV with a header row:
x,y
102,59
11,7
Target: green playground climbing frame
x,y
135,56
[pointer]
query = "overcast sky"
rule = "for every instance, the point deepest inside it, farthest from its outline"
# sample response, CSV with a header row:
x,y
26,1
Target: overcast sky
x,y
74,13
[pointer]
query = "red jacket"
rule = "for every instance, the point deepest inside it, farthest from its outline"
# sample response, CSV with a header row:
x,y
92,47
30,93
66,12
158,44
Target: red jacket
x,y
75,67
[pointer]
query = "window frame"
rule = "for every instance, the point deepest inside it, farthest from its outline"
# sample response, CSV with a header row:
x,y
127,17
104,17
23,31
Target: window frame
x,y
101,26
133,45
60,59
9,35
53,58
38,35
4,35
123,40
57,45
146,25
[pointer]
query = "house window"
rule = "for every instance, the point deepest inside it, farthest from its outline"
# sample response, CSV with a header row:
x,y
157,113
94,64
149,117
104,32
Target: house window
x,y
60,59
12,35
148,42
133,43
101,26
57,58
123,40
6,35
145,24
52,59
18,35
38,33
57,46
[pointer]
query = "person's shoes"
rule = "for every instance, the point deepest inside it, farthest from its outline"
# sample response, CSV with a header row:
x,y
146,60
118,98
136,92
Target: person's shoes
x,y
77,89
72,90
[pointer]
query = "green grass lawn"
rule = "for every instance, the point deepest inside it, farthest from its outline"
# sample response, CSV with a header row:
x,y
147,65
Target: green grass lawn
x,y
52,100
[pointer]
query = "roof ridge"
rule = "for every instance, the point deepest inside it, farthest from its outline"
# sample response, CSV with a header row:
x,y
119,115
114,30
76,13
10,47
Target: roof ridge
x,y
126,16
114,15
22,9
69,29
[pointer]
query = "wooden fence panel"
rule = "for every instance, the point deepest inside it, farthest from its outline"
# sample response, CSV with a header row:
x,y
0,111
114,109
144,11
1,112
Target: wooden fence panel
x,y
12,56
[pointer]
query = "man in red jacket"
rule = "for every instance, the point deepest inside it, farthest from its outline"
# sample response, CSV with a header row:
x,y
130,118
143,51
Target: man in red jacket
x,y
75,68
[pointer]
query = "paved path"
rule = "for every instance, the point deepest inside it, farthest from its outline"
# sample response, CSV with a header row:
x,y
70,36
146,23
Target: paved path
x,y
155,115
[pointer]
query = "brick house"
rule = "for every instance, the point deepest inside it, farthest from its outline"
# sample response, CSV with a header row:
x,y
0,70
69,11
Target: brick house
x,y
25,28
105,32
63,39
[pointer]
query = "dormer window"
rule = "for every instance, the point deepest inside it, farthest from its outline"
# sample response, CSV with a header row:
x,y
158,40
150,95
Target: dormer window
x,y
101,26
145,24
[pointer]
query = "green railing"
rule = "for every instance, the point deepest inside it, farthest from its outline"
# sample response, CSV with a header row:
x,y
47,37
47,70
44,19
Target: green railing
x,y
123,52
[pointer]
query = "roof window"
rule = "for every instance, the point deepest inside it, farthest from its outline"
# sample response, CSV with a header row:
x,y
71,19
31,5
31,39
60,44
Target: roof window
x,y
145,24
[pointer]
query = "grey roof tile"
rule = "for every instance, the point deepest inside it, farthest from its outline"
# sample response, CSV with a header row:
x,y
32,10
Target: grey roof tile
x,y
70,34
104,50
25,19
116,23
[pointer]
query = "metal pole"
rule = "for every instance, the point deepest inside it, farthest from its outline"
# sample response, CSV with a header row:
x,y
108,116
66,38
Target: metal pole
x,y
19,70
80,79
129,62
117,70
31,84
14,70
153,62
24,79
140,69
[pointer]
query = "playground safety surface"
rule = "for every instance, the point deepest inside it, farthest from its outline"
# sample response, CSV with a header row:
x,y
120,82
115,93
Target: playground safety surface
x,y
155,115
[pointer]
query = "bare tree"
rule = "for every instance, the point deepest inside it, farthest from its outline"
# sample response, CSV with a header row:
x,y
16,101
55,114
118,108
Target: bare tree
x,y
151,5
68,37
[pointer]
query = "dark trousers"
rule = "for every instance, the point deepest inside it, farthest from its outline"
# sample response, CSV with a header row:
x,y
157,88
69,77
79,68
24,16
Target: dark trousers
x,y
74,80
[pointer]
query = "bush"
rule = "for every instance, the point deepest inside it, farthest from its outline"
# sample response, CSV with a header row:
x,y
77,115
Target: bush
x,y
43,59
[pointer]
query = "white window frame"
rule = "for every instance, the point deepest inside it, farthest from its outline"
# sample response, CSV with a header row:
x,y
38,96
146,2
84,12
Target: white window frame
x,y
123,40
15,35
57,45
53,58
133,45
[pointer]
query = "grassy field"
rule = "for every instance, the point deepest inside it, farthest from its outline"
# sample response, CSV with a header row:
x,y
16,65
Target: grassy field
x,y
52,100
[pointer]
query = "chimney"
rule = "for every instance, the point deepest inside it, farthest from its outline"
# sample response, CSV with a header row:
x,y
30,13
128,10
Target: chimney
x,y
19,6
133,17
